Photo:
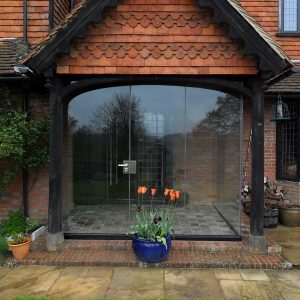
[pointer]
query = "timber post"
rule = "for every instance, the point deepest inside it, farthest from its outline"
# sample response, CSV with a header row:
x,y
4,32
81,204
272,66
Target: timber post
x,y
257,240
55,237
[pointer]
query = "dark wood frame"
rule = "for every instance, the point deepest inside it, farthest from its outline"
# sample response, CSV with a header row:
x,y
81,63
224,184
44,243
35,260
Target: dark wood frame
x,y
230,84
58,95
279,150
281,25
51,15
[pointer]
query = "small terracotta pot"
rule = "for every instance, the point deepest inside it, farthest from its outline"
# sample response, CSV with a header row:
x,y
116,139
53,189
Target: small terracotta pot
x,y
20,251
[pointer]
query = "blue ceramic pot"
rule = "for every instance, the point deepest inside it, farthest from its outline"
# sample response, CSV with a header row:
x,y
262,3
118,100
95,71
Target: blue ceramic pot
x,y
151,252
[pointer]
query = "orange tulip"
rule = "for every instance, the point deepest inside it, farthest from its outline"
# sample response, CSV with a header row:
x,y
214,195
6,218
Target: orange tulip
x,y
153,192
139,190
177,194
166,192
144,190
172,195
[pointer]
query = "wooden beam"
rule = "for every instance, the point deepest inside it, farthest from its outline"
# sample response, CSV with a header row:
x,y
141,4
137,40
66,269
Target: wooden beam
x,y
56,154
239,28
257,206
51,15
225,84
73,27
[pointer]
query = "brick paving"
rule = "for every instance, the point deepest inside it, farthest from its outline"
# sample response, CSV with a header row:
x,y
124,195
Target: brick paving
x,y
184,254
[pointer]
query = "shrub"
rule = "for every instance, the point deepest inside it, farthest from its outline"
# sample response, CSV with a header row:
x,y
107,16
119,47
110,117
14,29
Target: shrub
x,y
23,142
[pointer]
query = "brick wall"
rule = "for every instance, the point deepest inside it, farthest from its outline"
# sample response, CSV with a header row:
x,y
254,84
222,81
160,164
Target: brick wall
x,y
38,183
267,14
38,20
293,188
11,19
270,141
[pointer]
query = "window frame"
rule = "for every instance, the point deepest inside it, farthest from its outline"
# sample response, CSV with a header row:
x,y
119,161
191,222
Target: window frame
x,y
279,175
281,19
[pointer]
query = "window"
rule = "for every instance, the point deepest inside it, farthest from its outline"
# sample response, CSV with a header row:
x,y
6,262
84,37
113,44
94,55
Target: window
x,y
288,138
290,16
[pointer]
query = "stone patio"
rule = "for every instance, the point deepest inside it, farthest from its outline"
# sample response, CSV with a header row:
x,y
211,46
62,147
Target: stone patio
x,y
131,283
112,219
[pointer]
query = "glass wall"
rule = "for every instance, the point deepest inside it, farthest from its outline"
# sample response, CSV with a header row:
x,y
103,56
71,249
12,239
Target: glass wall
x,y
158,136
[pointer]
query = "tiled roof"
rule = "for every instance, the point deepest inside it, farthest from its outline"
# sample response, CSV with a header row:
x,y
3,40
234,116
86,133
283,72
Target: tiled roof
x,y
287,85
11,52
259,29
72,15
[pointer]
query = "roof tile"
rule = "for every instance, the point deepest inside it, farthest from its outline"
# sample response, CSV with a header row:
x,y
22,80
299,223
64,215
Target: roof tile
x,y
11,52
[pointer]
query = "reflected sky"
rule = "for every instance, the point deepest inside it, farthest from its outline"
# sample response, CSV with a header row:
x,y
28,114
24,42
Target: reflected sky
x,y
169,100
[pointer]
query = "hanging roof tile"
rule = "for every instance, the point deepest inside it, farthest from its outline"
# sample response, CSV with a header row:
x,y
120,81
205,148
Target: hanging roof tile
x,y
11,52
55,43
288,85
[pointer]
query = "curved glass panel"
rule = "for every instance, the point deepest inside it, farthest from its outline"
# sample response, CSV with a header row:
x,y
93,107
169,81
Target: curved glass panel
x,y
176,137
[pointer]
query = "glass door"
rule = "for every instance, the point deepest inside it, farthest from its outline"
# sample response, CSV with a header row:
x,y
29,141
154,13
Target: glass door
x,y
172,137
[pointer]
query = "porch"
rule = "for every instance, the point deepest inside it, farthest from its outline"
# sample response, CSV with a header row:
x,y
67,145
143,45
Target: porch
x,y
184,254
106,44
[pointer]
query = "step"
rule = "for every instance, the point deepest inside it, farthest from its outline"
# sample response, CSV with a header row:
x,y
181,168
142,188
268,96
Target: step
x,y
282,234
199,246
176,259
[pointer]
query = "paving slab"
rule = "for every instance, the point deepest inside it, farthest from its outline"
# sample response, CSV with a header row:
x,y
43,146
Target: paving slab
x,y
286,281
30,271
72,287
98,272
4,271
254,275
192,284
291,296
137,279
292,253
75,271
16,284
228,274
238,289
135,294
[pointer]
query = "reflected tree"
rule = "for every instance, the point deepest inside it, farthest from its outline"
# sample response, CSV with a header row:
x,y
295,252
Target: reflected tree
x,y
118,112
104,142
224,119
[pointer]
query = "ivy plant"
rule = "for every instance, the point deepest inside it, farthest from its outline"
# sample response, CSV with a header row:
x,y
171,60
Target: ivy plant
x,y
23,142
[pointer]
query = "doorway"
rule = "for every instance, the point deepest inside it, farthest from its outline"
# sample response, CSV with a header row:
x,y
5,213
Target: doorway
x,y
159,137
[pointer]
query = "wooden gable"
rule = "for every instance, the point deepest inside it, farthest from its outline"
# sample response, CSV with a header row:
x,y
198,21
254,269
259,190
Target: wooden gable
x,y
163,37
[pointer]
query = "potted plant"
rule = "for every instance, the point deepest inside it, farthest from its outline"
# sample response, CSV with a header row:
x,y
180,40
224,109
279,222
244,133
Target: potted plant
x,y
273,196
289,213
151,230
17,231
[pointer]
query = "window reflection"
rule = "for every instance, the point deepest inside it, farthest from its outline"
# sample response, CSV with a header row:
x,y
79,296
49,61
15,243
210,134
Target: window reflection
x,y
179,137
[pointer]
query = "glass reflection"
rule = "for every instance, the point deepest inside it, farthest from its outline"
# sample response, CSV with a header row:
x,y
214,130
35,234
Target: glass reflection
x,y
177,137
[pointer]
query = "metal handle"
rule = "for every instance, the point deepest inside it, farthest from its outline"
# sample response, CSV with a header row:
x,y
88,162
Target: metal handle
x,y
122,165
